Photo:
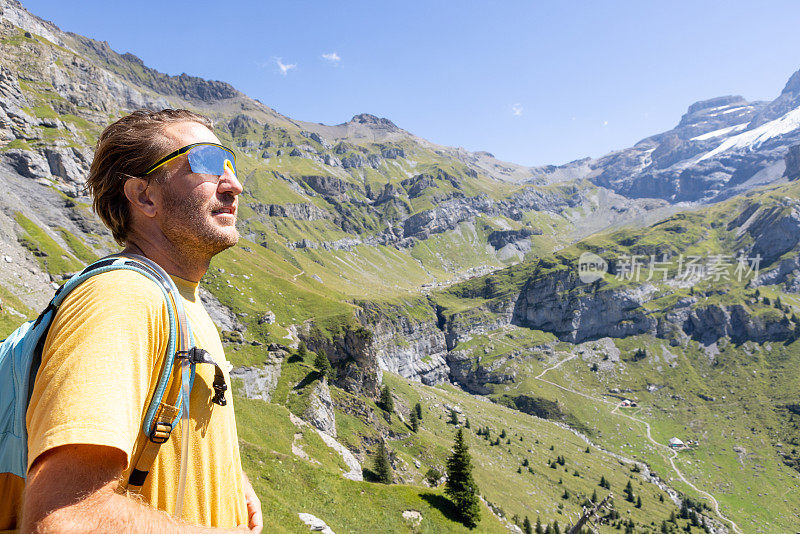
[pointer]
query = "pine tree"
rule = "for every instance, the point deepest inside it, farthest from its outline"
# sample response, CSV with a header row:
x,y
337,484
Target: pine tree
x,y
684,513
414,421
526,526
302,350
694,519
466,423
461,487
322,363
383,469
418,410
539,529
594,497
556,528
629,492
387,402
639,501
453,417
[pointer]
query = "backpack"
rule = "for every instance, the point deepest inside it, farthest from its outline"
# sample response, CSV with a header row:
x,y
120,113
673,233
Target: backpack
x,y
21,355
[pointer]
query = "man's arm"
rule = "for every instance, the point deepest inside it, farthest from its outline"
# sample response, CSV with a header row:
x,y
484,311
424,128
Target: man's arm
x,y
255,521
72,489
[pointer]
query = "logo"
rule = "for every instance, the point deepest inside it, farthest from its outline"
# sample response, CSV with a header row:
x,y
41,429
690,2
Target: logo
x,y
591,267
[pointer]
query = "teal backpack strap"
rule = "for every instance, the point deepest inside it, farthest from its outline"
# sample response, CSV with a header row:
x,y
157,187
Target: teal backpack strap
x,y
170,400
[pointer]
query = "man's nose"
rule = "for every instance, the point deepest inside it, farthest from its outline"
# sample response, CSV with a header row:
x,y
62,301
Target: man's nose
x,y
228,182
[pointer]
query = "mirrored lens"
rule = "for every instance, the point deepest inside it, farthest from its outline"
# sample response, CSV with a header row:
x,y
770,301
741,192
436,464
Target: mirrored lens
x,y
209,159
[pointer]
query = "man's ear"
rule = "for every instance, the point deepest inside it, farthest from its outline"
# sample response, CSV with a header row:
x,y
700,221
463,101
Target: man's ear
x,y
141,196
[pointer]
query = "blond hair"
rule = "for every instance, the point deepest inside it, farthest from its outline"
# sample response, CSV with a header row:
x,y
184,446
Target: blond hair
x,y
126,149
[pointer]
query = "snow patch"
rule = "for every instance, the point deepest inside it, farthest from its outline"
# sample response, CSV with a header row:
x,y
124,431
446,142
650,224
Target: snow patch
x,y
734,109
755,137
721,131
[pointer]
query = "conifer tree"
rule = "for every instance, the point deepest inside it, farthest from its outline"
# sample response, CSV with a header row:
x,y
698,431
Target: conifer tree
x,y
383,469
461,487
322,363
414,421
453,417
594,497
302,350
387,402
526,526
466,423
629,492
539,529
418,410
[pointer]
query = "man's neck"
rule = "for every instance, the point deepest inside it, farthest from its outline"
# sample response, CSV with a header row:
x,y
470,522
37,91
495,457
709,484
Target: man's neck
x,y
187,267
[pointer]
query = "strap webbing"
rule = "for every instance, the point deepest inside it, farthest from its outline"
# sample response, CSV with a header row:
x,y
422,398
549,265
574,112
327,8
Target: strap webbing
x,y
149,447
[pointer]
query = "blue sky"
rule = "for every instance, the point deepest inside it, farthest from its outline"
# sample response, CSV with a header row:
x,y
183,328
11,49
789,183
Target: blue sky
x,y
531,82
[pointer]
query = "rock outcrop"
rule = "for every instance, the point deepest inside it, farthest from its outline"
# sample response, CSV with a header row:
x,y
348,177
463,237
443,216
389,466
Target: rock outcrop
x,y
259,382
320,409
411,346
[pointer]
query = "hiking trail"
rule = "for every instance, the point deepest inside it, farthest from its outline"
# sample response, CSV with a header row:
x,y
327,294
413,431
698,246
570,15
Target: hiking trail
x,y
673,453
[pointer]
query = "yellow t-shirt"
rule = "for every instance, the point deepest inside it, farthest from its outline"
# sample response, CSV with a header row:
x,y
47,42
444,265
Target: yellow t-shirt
x,y
100,364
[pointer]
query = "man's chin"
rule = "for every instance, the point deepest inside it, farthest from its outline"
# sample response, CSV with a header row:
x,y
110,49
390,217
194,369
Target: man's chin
x,y
228,240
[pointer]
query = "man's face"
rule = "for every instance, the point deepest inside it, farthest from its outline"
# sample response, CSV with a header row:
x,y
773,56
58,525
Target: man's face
x,y
199,211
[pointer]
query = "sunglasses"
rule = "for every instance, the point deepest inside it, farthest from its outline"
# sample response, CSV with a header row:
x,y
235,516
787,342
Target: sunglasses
x,y
204,158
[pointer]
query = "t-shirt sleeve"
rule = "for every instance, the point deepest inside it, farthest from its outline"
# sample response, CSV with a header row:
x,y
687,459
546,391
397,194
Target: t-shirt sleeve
x,y
98,364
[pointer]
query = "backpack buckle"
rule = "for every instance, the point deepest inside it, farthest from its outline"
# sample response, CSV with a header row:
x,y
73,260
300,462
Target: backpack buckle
x,y
160,432
220,387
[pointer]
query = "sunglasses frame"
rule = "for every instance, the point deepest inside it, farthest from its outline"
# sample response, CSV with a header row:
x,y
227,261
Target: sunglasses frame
x,y
184,150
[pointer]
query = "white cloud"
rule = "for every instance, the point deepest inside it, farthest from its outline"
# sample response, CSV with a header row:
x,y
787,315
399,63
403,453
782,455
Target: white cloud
x,y
333,57
516,109
284,67
605,123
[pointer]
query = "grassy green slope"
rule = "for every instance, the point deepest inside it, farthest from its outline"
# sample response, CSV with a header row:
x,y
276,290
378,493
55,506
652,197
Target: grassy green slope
x,y
289,484
733,399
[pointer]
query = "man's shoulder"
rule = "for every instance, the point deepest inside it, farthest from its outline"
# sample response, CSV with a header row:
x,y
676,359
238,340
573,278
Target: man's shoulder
x,y
120,287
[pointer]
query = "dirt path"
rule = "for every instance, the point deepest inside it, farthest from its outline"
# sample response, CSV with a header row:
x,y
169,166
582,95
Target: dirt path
x,y
672,453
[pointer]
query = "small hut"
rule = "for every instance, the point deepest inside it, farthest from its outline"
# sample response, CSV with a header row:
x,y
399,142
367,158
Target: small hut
x,y
675,443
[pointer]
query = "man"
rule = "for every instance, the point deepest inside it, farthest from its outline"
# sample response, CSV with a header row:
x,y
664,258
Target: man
x,y
177,208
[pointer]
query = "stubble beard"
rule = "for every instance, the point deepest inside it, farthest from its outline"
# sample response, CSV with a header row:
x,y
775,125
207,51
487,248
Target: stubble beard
x,y
191,231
